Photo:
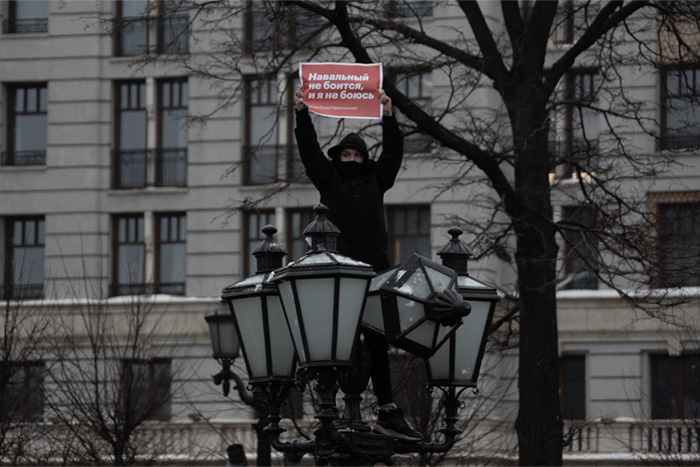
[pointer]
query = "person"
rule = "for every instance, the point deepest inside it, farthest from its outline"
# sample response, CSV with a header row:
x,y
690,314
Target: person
x,y
352,186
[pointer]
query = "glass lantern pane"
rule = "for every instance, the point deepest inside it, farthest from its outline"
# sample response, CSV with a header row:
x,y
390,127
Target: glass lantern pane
x,y
373,317
352,293
290,311
416,285
249,317
423,334
468,341
410,312
281,346
440,280
228,338
440,363
378,281
316,308
466,281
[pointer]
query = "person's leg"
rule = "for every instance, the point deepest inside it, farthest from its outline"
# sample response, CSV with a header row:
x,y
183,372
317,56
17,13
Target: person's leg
x,y
381,377
390,419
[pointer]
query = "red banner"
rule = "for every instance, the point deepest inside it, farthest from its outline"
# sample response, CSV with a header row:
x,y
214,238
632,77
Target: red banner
x,y
342,90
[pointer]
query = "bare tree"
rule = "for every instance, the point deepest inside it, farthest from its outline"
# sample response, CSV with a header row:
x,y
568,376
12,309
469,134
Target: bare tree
x,y
517,155
23,370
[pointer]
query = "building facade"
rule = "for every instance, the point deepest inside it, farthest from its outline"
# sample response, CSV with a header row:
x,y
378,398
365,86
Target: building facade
x,y
129,182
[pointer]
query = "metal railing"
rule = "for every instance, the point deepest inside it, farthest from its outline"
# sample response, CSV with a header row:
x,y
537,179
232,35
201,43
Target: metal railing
x,y
130,166
679,142
25,26
171,167
131,35
23,158
21,291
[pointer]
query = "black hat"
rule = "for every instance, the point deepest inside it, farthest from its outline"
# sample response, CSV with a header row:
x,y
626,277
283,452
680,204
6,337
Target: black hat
x,y
352,141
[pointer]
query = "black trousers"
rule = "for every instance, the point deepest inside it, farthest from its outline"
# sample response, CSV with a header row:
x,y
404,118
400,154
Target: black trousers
x,y
381,377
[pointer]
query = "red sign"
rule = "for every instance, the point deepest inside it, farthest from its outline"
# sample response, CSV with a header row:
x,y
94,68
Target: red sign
x,y
342,90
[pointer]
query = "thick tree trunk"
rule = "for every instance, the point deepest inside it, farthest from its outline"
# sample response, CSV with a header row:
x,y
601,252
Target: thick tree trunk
x,y
539,424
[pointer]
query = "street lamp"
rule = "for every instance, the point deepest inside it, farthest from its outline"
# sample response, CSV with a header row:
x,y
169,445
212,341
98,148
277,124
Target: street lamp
x,y
224,342
416,305
457,362
323,297
323,294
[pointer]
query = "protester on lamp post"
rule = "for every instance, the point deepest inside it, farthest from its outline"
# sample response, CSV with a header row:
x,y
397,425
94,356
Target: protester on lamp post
x,y
352,186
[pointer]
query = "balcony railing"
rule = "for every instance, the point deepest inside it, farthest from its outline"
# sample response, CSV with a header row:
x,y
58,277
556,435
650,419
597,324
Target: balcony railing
x,y
174,288
261,164
129,167
678,142
131,35
25,26
23,158
21,291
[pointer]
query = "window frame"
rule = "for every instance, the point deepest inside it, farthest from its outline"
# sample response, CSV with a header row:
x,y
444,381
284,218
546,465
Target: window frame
x,y
577,241
10,155
27,412
117,288
168,158
680,362
153,406
139,156
416,142
305,216
393,236
665,143
250,147
180,218
580,87
10,289
575,410
661,277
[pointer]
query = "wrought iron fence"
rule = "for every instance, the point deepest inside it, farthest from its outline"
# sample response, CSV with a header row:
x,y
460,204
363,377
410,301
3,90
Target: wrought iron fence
x,y
21,291
23,158
171,167
129,168
25,26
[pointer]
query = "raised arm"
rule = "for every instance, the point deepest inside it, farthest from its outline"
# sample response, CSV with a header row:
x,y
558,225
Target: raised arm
x,y
389,161
318,167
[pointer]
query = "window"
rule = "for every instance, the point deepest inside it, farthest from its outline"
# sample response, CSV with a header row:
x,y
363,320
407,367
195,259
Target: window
x,y
680,119
129,251
254,222
27,16
675,386
409,8
261,150
171,155
130,154
147,389
137,32
679,243
581,248
23,397
298,220
572,386
26,135
271,25
418,88
135,162
171,236
582,123
572,20
24,270
409,232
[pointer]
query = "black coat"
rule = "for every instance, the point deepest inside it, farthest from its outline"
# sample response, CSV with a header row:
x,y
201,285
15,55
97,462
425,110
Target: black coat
x,y
355,201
